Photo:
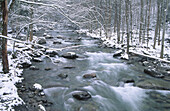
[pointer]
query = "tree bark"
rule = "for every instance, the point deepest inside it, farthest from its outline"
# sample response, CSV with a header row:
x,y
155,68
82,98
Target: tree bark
x,y
141,21
157,23
119,23
127,23
163,34
4,32
148,23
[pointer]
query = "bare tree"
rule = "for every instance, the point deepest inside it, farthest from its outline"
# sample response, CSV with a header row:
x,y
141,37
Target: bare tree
x,y
157,23
127,23
141,21
164,23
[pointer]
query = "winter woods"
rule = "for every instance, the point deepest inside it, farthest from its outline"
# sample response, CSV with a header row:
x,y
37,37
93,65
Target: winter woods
x,y
130,23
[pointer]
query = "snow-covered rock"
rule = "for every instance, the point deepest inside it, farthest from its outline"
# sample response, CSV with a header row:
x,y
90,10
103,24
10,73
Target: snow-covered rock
x,y
37,86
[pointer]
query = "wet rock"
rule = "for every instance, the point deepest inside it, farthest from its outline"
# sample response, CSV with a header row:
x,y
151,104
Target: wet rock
x,y
41,40
70,55
34,68
57,42
51,53
37,60
125,80
153,73
63,76
89,76
81,95
69,67
153,84
25,64
49,37
47,68
118,53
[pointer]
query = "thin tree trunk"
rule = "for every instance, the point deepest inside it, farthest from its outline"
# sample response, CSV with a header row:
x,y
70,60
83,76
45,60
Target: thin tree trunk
x,y
119,23
131,23
148,23
115,16
157,23
31,25
127,23
4,32
123,27
160,22
163,34
145,26
141,22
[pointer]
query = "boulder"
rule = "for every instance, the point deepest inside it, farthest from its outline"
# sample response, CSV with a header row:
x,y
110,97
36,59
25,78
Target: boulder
x,y
153,73
41,40
70,55
81,95
89,76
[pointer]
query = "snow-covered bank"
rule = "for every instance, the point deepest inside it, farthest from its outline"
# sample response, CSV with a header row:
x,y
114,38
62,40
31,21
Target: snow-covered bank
x,y
135,46
8,91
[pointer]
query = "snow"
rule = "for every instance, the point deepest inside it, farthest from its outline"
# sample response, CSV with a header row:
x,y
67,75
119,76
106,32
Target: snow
x,y
37,86
41,107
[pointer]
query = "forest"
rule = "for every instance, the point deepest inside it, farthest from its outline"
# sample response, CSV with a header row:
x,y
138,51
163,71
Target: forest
x,y
97,55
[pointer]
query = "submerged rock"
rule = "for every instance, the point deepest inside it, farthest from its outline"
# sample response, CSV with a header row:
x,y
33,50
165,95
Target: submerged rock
x,y
153,73
63,76
47,68
34,68
81,95
88,76
70,55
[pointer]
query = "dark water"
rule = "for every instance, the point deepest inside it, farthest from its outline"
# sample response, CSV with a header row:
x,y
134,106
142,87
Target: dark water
x,y
107,93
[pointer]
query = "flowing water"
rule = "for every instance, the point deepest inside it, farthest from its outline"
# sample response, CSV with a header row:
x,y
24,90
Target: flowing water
x,y
107,91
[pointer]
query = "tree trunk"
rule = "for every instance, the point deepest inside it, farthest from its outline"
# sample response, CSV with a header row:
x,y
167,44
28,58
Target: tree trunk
x,y
163,34
148,23
31,25
141,21
4,32
145,26
131,23
115,16
157,23
119,23
127,23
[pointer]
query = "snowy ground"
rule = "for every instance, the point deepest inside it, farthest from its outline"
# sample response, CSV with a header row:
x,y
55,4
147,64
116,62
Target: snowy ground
x,y
136,46
8,91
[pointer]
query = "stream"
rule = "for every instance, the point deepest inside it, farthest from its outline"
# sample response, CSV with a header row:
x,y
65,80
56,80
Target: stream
x,y
108,92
